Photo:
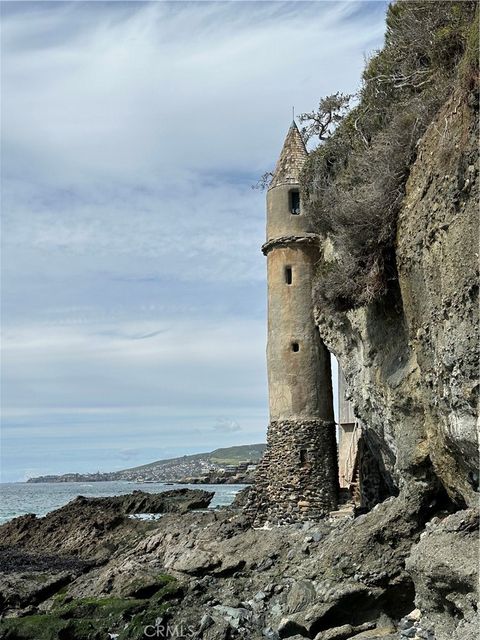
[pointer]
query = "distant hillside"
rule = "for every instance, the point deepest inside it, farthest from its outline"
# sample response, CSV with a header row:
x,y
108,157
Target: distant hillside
x,y
227,455
225,462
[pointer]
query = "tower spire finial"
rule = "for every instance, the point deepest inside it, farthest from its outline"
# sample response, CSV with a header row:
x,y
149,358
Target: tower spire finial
x,y
293,114
292,158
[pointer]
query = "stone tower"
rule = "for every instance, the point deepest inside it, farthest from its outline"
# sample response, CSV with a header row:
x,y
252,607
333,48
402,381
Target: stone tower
x,y
298,476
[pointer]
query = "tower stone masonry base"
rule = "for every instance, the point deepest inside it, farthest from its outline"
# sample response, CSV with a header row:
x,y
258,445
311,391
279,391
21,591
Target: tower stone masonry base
x,y
296,479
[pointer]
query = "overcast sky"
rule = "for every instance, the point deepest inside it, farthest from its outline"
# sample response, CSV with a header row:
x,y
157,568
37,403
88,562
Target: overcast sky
x,y
134,302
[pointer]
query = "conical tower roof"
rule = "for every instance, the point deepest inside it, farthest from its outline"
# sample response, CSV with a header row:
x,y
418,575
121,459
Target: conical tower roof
x,y
291,160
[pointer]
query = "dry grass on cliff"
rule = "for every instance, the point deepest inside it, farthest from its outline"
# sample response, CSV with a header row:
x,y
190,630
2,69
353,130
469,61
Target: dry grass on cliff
x,y
354,183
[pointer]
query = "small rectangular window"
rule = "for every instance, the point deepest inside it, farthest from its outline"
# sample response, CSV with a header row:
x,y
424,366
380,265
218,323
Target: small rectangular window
x,y
295,202
288,275
295,347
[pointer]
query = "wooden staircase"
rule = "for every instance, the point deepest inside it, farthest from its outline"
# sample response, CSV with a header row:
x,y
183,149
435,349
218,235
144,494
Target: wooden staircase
x,y
346,505
349,497
348,471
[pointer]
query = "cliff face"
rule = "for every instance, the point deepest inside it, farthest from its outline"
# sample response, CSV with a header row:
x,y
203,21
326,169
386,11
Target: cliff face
x,y
437,259
410,357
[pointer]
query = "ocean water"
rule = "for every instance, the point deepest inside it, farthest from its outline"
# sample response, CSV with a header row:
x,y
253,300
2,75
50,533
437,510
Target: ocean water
x,y
19,498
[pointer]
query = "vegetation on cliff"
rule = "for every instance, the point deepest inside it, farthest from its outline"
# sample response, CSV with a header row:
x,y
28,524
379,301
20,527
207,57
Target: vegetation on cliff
x,y
354,183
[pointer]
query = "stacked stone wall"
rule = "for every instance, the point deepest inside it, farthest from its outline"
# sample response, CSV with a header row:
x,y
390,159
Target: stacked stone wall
x,y
297,478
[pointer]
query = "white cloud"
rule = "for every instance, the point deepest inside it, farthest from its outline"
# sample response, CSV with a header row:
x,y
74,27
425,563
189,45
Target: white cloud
x,y
226,425
183,360
133,287
166,88
195,232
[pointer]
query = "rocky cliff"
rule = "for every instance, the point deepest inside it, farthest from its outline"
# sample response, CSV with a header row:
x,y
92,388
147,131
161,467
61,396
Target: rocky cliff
x,y
408,349
410,357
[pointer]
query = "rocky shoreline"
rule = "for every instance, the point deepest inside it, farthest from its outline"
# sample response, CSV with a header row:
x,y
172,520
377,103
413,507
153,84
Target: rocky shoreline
x,y
88,570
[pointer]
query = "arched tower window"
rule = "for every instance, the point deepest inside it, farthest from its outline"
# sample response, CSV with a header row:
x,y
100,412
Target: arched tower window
x,y
294,202
295,347
288,275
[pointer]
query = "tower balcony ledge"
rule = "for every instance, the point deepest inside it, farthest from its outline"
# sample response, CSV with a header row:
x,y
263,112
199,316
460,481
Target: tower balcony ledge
x,y
288,241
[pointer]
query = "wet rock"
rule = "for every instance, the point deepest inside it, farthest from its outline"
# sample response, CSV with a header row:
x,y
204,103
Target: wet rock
x,y
175,501
291,626
240,499
19,590
206,622
15,559
91,528
220,630
336,633
444,568
235,617
194,562
381,633
269,633
304,622
301,594
414,615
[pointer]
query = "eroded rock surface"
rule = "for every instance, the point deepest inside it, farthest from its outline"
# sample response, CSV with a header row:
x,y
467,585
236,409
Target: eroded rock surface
x,y
444,569
213,573
411,358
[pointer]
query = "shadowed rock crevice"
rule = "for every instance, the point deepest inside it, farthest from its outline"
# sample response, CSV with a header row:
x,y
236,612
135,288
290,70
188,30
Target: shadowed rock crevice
x,y
362,607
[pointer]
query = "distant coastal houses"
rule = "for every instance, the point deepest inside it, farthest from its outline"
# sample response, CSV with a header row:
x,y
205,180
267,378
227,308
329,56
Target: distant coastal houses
x,y
74,477
233,465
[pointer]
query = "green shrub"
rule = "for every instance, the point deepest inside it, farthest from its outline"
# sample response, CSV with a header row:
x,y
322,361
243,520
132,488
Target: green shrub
x,y
354,183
